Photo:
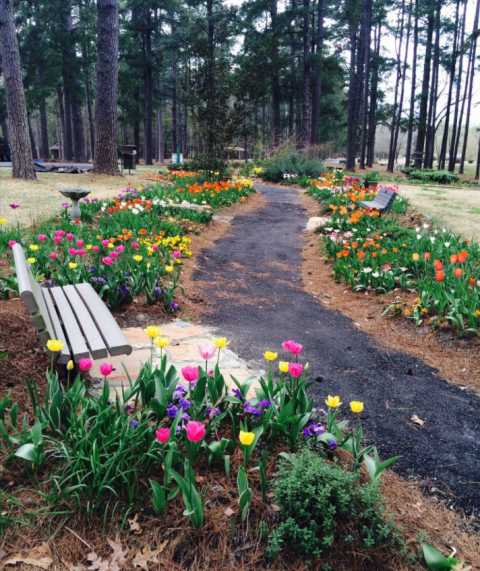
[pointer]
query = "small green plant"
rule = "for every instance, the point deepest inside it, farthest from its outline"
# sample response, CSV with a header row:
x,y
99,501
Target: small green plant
x,y
317,500
433,176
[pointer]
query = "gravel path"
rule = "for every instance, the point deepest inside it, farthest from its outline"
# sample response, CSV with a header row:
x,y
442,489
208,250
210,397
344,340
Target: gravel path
x,y
253,278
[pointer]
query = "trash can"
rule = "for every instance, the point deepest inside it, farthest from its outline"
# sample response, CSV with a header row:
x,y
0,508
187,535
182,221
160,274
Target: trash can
x,y
129,153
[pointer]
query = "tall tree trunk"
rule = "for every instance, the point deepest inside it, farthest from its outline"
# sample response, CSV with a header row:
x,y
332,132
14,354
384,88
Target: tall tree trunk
x,y
464,99
293,49
33,144
317,86
78,124
372,119
67,121
106,158
3,125
42,107
147,57
408,150
456,126
432,110
22,162
470,90
402,89
306,73
365,117
277,129
91,128
422,118
174,105
61,114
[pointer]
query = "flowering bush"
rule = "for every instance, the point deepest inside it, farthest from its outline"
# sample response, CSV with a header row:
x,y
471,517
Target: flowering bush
x,y
379,253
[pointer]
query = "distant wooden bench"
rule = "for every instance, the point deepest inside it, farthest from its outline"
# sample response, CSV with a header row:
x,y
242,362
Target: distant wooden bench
x,y
74,315
382,202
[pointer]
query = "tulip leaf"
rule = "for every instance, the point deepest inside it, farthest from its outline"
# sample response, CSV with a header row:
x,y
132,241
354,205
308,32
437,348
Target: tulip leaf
x,y
435,559
159,497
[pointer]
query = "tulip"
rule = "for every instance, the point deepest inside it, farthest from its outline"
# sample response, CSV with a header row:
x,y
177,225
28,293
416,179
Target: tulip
x,y
153,331
472,280
112,254
85,364
220,342
163,434
154,247
438,265
283,366
53,255
246,438
105,243
70,365
135,245
176,254
72,266
207,350
33,247
195,430
79,243
72,251
292,347
42,237
439,276
54,345
427,255
12,243
57,239
81,252
453,259
458,272
31,260
120,249
190,374
161,341
356,406
333,402
106,369
295,369
70,237
107,261
415,257
138,258
60,233
270,356
95,248
169,268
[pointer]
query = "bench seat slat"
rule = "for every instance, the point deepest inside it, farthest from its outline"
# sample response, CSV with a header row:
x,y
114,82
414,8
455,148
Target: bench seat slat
x,y
75,336
113,336
90,331
64,355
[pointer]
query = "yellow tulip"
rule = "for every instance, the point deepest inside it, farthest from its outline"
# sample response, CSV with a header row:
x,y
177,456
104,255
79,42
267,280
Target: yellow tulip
x,y
33,247
148,265
246,438
283,366
110,246
31,260
356,406
270,355
54,345
138,258
161,341
333,402
416,257
72,265
169,268
70,365
153,331
3,220
220,342
89,246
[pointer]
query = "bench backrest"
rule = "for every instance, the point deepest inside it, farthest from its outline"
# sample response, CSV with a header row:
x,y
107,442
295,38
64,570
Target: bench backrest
x,y
31,293
385,197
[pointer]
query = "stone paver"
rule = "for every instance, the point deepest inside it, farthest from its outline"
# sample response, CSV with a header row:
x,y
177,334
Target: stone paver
x,y
317,221
181,352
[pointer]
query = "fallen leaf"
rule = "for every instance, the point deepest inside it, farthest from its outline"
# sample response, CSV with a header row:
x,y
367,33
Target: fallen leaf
x,y
275,507
134,525
97,563
38,556
117,559
229,512
142,559
417,420
460,567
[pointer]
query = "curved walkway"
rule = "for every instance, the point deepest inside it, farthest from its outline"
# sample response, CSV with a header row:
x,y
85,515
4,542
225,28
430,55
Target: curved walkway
x,y
253,279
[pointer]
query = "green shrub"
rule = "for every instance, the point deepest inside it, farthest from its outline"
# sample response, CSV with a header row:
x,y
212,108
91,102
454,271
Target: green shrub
x,y
433,176
291,163
318,501
373,176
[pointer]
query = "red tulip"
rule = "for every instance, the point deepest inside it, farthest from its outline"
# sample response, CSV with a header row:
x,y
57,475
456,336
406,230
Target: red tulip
x,y
439,276
427,255
458,272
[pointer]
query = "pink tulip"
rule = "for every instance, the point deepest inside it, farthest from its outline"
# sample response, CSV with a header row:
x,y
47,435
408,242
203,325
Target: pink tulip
x,y
120,249
106,369
155,247
107,261
114,255
293,347
57,239
195,430
190,373
387,267
105,243
81,252
163,434
135,245
53,255
70,236
85,364
207,350
42,237
12,243
95,248
295,369
79,243
176,254
72,251
2,262
60,233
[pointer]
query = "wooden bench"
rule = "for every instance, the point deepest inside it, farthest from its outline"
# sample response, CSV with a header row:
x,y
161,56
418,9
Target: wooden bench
x,y
382,202
74,315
